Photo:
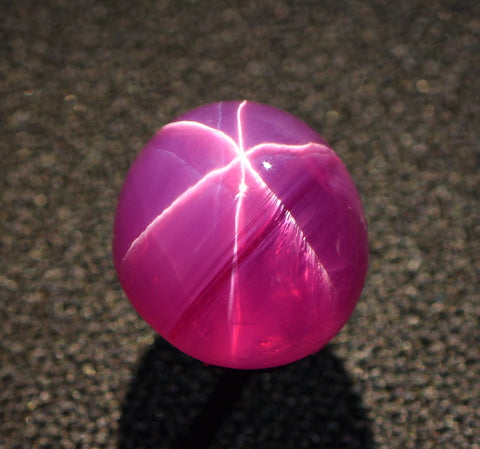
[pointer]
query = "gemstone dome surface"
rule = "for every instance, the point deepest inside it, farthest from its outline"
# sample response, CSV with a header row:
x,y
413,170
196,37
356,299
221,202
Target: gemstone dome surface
x,y
239,236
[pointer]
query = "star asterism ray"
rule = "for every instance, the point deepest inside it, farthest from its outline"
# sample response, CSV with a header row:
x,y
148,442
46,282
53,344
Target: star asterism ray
x,y
284,292
234,306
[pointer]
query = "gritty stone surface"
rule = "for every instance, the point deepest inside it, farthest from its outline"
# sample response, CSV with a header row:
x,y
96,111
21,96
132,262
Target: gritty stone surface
x,y
393,88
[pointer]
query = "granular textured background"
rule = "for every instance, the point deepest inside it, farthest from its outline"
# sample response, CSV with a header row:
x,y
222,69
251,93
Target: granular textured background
x,y
393,86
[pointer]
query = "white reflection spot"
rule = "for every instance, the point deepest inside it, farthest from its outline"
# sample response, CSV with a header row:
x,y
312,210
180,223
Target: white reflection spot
x,y
266,165
242,188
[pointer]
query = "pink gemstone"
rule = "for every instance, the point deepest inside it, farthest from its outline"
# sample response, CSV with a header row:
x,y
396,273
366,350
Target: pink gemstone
x,y
239,236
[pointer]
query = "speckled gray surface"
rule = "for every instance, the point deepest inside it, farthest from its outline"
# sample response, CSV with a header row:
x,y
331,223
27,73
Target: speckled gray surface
x,y
394,87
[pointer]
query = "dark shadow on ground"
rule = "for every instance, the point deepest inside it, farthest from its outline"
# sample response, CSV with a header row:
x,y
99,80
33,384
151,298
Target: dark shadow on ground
x,y
177,402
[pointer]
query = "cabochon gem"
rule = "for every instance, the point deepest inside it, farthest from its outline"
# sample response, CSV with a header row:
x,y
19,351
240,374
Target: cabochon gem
x,y
239,236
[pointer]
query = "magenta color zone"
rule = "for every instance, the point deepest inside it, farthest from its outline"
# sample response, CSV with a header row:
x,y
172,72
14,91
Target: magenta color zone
x,y
240,237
